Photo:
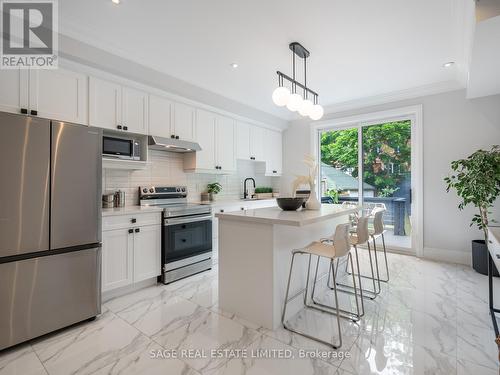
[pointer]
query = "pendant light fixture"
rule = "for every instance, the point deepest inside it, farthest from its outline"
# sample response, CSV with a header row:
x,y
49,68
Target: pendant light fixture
x,y
289,97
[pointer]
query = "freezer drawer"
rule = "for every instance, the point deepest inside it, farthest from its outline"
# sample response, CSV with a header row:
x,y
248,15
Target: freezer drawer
x,y
40,295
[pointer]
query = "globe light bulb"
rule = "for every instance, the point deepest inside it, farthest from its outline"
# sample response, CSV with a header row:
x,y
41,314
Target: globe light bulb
x,y
316,112
305,107
294,102
281,96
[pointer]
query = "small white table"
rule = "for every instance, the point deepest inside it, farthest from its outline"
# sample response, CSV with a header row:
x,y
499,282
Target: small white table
x,y
255,253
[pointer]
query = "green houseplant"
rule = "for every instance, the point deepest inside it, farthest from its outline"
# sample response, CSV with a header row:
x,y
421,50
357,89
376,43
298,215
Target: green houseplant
x,y
263,192
477,182
213,189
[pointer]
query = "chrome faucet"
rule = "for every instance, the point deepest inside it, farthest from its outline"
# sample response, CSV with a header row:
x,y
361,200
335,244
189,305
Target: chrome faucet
x,y
245,192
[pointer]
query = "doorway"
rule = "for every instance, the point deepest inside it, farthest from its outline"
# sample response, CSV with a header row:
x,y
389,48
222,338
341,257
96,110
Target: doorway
x,y
374,161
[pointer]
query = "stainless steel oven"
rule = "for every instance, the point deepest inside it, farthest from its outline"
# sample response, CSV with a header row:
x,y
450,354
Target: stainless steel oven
x,y
186,232
187,236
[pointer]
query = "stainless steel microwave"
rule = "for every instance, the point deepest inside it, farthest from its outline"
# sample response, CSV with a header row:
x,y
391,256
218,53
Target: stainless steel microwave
x,y
121,148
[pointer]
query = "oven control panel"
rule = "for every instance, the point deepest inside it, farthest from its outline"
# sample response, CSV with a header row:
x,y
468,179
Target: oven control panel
x,y
156,192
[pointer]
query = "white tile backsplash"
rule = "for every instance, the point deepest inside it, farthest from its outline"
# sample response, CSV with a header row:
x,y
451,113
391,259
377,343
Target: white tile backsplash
x,y
166,168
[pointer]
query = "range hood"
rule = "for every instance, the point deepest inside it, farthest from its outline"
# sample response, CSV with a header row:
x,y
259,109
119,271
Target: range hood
x,y
172,144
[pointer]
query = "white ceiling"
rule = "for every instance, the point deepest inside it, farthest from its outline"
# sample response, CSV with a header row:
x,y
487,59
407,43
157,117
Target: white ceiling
x,y
359,48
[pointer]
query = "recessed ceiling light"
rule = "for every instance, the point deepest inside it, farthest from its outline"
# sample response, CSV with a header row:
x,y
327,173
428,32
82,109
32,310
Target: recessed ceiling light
x,y
234,65
115,1
448,64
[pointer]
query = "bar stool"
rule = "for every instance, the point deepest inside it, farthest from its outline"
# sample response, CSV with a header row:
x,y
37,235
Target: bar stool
x,y
360,237
339,248
378,231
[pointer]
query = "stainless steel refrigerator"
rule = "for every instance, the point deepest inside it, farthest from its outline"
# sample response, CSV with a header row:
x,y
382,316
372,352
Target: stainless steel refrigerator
x,y
50,226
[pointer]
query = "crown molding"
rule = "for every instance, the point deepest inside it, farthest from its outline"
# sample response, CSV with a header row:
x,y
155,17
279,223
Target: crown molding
x,y
415,92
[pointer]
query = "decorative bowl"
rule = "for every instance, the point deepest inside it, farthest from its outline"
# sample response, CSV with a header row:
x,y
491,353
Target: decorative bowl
x,y
289,204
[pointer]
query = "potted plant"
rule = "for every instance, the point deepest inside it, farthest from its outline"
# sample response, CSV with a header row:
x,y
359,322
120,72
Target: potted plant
x,y
213,189
477,182
263,192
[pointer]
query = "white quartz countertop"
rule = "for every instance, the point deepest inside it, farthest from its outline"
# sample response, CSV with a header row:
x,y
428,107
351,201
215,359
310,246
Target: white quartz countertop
x,y
129,210
275,215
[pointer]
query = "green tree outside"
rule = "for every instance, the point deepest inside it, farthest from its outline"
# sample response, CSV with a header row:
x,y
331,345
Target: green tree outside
x,y
386,153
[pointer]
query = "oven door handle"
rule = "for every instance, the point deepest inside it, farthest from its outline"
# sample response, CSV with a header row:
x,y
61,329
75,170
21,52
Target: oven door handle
x,y
168,222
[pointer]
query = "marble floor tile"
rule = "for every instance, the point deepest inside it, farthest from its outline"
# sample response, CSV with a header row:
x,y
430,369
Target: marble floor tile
x,y
132,307
294,362
431,318
20,360
205,333
89,347
148,360
379,354
477,345
166,316
204,294
468,368
434,333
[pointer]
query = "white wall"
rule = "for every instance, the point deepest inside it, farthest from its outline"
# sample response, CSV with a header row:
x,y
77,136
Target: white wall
x,y
453,128
484,74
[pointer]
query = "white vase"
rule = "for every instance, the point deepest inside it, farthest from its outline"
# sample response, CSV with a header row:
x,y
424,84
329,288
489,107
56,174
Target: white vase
x,y
313,203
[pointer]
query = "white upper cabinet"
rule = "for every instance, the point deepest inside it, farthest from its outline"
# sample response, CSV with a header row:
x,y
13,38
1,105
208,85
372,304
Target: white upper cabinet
x,y
184,122
105,104
117,107
243,141
256,143
135,110
205,136
160,121
225,144
273,152
216,136
59,94
13,90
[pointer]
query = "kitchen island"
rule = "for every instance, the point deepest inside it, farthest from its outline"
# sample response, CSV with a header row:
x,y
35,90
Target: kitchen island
x,y
255,253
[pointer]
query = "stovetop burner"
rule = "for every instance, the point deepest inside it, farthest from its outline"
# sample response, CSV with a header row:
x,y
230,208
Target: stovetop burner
x,y
173,200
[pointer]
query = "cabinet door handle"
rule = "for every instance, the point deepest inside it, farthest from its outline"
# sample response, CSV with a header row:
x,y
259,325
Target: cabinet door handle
x,y
131,231
221,210
183,226
252,157
176,137
125,128
133,221
275,171
172,136
137,230
119,127
34,113
183,240
24,111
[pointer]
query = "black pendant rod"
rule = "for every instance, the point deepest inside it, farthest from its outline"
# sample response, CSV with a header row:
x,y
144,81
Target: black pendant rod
x,y
305,77
294,86
296,83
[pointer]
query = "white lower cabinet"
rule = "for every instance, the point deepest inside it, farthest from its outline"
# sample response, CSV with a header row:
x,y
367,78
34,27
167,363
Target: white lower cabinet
x,y
130,254
117,259
147,252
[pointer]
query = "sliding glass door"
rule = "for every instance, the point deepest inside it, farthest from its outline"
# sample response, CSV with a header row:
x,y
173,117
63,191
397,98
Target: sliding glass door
x,y
370,164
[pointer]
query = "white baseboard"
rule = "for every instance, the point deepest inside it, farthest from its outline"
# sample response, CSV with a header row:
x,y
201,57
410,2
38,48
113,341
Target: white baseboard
x,y
450,256
110,294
